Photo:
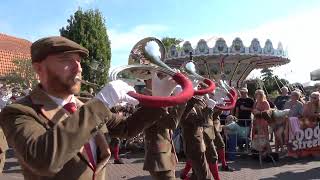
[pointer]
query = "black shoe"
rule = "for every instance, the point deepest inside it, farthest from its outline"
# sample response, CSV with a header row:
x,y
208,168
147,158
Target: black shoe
x,y
118,161
227,168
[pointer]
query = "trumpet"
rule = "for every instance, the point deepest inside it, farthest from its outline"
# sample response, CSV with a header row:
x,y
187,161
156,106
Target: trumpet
x,y
146,57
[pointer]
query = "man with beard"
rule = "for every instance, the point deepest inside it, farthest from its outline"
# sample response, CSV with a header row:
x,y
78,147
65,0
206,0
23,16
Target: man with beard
x,y
54,135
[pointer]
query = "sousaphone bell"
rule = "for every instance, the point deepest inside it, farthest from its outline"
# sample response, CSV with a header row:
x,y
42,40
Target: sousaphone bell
x,y
190,69
145,58
221,92
225,96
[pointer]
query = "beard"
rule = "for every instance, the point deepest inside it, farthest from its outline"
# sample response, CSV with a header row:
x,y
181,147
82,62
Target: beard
x,y
63,85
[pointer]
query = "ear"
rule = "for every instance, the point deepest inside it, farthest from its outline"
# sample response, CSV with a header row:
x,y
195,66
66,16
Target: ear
x,y
37,68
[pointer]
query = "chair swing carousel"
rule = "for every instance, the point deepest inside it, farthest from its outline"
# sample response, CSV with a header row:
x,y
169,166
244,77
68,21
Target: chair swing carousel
x,y
231,64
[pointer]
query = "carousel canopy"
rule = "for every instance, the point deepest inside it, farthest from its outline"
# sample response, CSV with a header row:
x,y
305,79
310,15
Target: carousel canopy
x,y
233,63
315,75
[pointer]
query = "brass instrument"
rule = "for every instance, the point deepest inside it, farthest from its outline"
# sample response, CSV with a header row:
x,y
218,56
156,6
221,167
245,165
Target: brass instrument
x,y
145,58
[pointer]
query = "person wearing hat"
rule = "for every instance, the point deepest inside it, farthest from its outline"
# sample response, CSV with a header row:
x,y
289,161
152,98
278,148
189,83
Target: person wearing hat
x,y
198,135
54,135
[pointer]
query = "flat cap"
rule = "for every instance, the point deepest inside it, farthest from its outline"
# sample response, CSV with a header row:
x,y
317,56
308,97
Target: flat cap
x,y
41,48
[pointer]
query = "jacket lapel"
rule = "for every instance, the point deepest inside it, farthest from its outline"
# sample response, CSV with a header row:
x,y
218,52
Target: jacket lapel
x,y
103,146
55,113
52,111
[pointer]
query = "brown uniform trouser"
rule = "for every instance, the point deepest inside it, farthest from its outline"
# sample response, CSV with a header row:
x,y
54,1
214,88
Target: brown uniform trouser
x,y
218,140
195,151
163,175
211,152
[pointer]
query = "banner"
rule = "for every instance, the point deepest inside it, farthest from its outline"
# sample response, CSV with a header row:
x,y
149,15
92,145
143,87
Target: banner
x,y
305,142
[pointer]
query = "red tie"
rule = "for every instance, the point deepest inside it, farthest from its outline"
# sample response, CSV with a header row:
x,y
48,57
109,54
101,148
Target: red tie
x,y
71,107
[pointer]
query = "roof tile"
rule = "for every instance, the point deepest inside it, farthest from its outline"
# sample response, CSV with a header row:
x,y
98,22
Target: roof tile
x,y
12,48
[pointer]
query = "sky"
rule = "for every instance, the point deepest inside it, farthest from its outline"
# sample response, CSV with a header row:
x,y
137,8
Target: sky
x,y
295,23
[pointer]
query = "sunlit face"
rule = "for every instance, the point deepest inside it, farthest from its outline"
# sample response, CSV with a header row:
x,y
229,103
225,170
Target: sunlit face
x,y
259,96
58,72
284,91
243,93
294,97
314,99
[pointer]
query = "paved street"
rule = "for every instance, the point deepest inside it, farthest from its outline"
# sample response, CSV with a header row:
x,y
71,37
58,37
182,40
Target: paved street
x,y
246,169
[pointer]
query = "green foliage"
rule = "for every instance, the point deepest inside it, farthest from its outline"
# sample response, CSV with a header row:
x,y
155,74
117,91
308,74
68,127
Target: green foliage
x,y
88,29
271,83
23,75
168,42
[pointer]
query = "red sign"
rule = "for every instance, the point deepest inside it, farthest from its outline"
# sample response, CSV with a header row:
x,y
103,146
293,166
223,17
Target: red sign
x,y
305,142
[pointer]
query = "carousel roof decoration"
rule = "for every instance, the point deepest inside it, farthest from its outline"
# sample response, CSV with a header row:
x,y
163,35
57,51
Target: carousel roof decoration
x,y
233,63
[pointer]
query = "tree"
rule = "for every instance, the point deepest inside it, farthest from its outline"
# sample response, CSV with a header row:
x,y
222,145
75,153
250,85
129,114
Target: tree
x,y
88,29
23,75
272,83
266,74
168,42
268,83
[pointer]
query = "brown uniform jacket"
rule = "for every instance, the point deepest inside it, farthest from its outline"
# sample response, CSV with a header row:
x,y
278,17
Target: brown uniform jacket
x,y
159,150
192,122
48,140
3,142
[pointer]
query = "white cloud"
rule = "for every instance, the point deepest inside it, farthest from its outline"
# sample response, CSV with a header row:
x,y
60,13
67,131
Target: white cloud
x,y
84,2
298,33
122,42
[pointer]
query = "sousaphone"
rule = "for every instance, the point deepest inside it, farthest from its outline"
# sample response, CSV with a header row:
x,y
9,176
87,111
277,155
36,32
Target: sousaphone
x,y
145,58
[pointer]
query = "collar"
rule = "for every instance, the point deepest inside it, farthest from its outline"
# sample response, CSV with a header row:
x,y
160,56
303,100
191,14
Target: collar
x,y
49,107
62,102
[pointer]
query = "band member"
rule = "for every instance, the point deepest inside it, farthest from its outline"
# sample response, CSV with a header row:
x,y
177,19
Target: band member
x,y
123,110
53,134
196,133
3,148
160,156
219,143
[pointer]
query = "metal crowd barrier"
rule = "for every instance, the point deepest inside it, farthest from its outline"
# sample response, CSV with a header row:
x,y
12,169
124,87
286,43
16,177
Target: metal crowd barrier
x,y
240,142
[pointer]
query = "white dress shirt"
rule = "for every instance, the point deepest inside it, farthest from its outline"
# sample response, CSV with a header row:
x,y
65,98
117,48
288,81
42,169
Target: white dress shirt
x,y
62,102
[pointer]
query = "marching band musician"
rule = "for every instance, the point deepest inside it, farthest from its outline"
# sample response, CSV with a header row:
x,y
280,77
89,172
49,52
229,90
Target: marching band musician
x,y
160,156
122,110
56,136
197,133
